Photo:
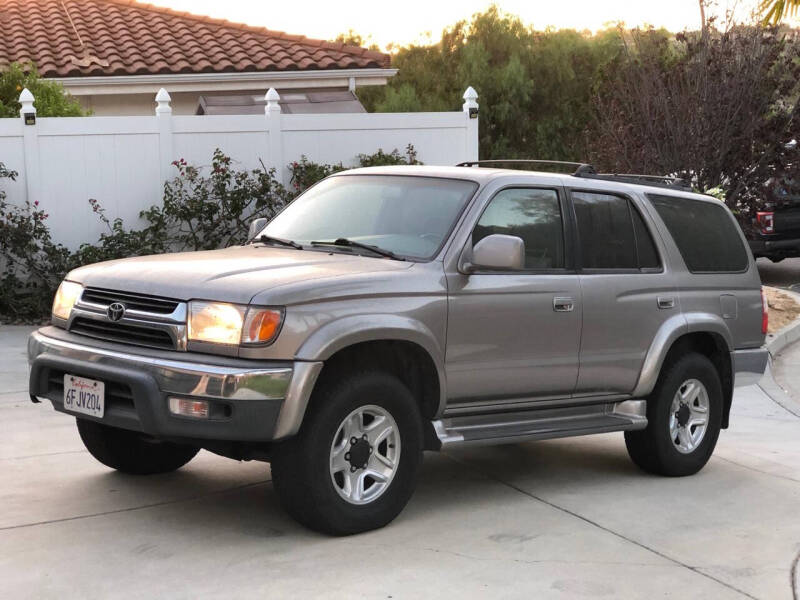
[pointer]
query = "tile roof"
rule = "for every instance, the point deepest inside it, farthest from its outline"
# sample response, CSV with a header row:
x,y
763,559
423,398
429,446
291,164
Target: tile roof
x,y
124,37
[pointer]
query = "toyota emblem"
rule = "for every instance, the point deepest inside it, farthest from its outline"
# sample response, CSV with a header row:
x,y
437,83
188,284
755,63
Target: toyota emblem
x,y
116,311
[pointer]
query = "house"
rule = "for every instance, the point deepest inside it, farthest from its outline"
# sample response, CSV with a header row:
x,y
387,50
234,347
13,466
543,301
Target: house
x,y
114,55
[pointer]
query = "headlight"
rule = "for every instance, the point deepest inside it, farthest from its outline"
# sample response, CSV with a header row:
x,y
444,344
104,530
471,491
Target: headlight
x,y
232,324
66,297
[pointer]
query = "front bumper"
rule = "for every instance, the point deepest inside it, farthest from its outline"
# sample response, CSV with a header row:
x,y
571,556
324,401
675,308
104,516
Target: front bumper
x,y
749,365
250,401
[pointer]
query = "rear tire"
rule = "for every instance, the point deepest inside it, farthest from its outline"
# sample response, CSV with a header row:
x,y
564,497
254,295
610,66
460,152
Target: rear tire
x,y
684,414
366,422
133,452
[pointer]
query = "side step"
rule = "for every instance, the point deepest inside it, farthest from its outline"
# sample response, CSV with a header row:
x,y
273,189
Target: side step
x,y
541,424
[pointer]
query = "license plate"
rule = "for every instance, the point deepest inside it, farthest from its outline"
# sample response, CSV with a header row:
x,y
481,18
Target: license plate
x,y
85,396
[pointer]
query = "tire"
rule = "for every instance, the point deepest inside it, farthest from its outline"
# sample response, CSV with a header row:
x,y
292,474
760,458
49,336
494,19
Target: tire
x,y
654,449
303,466
133,452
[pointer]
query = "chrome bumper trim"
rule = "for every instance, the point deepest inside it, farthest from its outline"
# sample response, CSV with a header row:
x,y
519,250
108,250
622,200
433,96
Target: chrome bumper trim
x,y
749,365
177,377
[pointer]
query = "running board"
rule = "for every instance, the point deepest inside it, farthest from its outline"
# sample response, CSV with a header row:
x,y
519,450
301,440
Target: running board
x,y
541,424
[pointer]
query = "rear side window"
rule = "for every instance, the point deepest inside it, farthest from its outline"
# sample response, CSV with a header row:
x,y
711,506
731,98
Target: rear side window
x,y
612,233
706,235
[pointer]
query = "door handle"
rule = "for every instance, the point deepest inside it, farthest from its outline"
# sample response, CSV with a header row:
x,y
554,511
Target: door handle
x,y
563,304
665,302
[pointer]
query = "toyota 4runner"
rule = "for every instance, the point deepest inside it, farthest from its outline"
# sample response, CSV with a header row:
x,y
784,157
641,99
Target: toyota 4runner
x,y
392,310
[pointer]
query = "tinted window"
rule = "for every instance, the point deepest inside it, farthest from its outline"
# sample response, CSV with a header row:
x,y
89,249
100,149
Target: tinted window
x,y
605,231
706,235
534,216
411,216
645,247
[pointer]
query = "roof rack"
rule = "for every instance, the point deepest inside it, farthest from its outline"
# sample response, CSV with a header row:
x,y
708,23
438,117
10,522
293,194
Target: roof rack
x,y
579,167
588,171
673,182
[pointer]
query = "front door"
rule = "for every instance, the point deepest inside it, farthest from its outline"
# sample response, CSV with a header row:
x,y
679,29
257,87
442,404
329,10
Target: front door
x,y
515,336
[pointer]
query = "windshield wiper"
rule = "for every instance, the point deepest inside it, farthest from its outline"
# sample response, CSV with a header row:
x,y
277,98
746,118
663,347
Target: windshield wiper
x,y
347,243
268,239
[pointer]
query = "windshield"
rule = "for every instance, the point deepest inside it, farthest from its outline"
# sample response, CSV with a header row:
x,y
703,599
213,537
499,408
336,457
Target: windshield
x,y
410,216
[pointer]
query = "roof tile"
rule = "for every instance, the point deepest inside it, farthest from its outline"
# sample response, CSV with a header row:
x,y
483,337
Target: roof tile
x,y
124,37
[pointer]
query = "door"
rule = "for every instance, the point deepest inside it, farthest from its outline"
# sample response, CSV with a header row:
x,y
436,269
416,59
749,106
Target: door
x,y
626,294
516,335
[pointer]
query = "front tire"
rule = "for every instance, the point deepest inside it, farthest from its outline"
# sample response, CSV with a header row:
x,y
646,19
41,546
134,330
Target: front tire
x,y
133,452
684,415
353,466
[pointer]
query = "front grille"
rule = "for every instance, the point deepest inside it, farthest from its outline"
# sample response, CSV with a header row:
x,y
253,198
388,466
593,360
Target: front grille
x,y
118,396
151,304
123,333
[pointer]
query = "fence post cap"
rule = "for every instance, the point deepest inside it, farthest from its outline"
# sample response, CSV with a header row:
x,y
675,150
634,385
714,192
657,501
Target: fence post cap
x,y
470,94
272,97
26,100
163,99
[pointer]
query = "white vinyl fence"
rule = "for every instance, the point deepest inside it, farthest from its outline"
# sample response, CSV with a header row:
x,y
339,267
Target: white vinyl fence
x,y
123,162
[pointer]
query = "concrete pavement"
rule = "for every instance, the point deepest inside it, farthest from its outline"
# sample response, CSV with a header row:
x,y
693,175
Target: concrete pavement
x,y
558,519
785,274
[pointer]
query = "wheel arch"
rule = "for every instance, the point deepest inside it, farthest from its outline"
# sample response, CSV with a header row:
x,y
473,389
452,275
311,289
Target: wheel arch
x,y
705,334
395,343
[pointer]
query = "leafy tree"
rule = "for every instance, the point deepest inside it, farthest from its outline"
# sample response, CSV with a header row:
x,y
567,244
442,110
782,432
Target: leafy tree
x,y
351,38
535,87
718,108
51,100
772,11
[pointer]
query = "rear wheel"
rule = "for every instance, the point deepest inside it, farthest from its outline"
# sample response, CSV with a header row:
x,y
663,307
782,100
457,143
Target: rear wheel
x,y
684,415
353,466
131,451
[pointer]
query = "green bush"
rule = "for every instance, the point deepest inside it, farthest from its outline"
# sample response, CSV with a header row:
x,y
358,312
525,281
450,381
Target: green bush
x,y
51,100
32,264
199,212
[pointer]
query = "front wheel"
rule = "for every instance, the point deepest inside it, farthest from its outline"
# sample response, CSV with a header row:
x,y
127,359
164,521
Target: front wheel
x,y
133,452
353,465
684,415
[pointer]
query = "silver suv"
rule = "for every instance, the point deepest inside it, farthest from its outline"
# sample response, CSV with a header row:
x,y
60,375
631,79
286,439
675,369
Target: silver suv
x,y
388,311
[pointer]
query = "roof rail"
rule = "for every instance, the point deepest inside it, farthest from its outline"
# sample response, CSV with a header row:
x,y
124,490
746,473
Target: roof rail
x,y
579,167
673,182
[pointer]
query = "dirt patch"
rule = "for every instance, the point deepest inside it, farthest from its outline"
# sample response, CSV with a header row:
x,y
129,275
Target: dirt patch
x,y
783,309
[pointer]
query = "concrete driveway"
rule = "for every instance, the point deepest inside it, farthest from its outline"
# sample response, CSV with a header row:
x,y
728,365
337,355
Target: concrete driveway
x,y
559,519
785,274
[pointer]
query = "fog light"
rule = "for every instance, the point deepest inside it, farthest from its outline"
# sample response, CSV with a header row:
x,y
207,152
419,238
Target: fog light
x,y
185,407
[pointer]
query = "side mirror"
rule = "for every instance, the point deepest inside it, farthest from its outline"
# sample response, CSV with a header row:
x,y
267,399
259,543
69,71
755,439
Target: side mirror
x,y
498,252
256,225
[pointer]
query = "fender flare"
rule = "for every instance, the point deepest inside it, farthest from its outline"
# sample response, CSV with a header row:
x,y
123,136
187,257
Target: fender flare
x,y
670,331
347,331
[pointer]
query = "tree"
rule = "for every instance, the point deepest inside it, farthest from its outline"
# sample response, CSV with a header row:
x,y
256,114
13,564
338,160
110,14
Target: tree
x,y
772,11
535,87
51,98
717,108
351,38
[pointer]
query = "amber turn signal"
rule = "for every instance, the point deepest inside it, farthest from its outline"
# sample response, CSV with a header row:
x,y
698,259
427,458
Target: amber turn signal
x,y
261,325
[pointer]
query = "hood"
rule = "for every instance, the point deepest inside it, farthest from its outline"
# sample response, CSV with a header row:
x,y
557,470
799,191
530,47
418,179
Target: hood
x,y
234,274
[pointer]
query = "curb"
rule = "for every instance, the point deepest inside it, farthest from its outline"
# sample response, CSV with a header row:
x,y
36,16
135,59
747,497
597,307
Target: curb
x,y
776,342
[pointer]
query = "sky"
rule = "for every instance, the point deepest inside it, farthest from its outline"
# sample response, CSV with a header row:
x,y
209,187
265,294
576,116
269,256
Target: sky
x,y
411,21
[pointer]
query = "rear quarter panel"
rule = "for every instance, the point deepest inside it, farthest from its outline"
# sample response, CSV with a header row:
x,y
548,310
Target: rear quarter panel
x,y
725,303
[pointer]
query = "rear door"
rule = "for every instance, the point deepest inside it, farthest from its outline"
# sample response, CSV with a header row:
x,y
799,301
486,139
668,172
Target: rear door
x,y
627,295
